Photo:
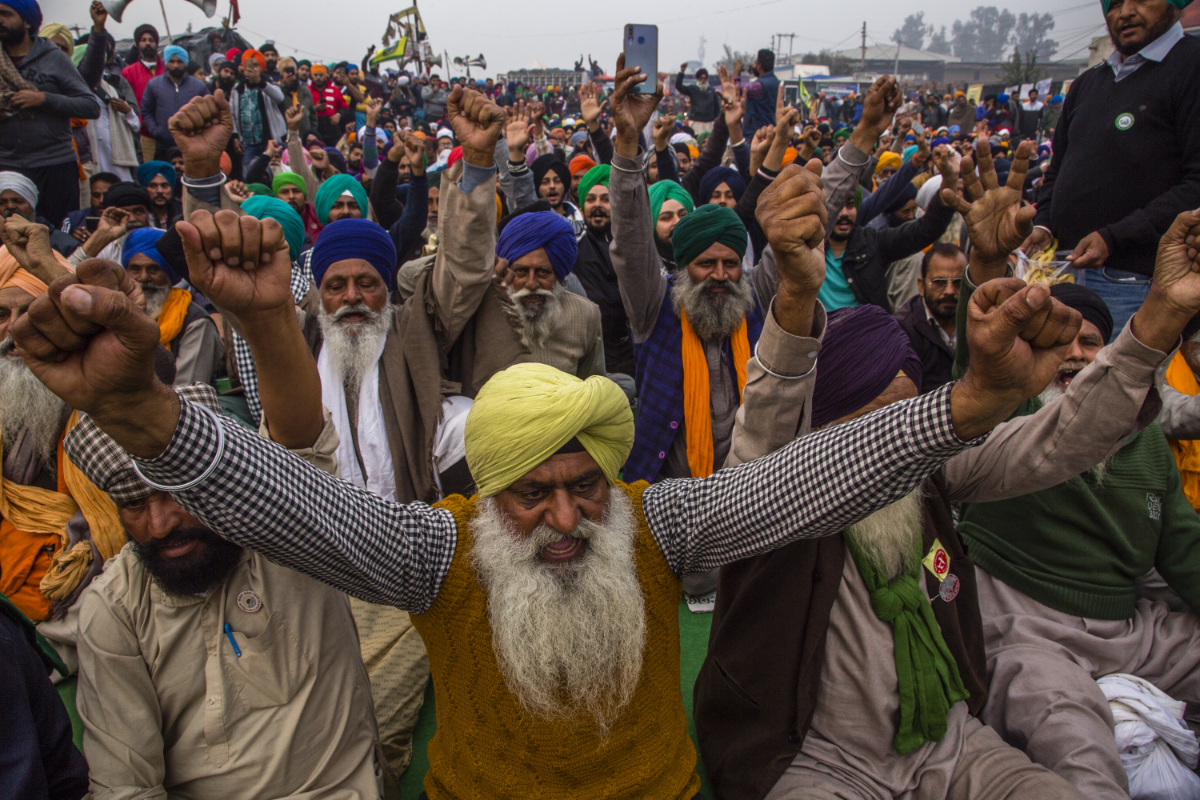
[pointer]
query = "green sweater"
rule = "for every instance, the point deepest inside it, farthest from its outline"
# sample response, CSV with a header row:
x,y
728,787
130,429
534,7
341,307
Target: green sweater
x,y
1080,547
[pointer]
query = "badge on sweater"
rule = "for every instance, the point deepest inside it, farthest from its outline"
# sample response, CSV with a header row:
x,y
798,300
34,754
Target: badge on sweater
x,y
937,561
948,589
1124,122
248,601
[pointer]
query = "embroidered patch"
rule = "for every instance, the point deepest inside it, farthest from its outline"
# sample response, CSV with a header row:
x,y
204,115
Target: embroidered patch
x,y
1124,122
948,588
1154,505
937,560
248,601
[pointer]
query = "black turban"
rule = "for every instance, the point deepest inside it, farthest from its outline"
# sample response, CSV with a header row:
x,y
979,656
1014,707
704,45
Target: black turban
x,y
547,163
1080,298
125,194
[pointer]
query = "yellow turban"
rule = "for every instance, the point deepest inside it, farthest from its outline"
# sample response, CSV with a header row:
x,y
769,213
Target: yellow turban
x,y
56,29
523,415
888,159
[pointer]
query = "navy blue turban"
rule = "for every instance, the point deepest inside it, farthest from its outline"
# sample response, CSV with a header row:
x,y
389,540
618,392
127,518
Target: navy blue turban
x,y
846,379
354,238
715,177
144,241
30,11
544,229
909,192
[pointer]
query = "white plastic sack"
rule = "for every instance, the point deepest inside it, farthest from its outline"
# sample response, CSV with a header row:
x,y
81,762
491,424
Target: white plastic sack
x,y
1157,749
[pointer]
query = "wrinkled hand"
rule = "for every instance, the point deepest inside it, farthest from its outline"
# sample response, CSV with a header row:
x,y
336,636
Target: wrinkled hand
x,y
590,107
1038,241
319,158
792,214
1177,265
414,149
374,104
729,88
237,191
518,130
996,220
27,242
239,263
762,140
630,110
880,105
202,130
292,116
272,149
477,123
736,110
1090,253
114,223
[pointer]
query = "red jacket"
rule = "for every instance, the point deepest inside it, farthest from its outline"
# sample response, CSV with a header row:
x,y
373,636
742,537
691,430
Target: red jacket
x,y
331,95
138,76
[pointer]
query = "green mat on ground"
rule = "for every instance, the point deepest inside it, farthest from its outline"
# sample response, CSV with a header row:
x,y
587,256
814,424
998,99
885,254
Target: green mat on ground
x,y
693,645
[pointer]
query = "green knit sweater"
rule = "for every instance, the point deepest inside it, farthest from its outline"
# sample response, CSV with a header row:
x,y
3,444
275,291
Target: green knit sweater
x,y
1080,547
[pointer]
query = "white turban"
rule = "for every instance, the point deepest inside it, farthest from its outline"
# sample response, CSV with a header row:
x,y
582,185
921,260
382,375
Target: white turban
x,y
928,191
402,80
445,133
21,185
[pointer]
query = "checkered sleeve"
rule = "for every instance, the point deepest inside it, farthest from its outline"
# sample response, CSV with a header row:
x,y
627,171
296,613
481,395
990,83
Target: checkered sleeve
x,y
257,494
815,486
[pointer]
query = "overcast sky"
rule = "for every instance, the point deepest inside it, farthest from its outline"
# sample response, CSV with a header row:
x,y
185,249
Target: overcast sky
x,y
513,35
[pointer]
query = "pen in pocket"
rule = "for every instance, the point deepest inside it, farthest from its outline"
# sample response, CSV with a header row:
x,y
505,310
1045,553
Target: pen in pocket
x,y
237,651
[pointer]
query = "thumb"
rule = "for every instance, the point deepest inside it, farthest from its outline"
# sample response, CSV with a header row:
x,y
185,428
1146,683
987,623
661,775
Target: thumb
x,y
814,166
113,311
1177,233
1015,313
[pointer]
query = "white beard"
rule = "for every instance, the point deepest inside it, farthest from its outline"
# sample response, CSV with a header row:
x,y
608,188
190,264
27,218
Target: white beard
x,y
891,537
539,320
156,298
354,348
27,405
714,318
568,639
1052,392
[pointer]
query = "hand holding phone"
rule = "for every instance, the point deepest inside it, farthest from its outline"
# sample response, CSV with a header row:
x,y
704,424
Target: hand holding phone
x,y
641,50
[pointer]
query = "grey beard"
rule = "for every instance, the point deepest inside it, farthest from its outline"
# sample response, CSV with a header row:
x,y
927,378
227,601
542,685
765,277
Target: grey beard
x,y
540,320
713,317
568,639
1051,393
156,298
890,538
26,405
354,348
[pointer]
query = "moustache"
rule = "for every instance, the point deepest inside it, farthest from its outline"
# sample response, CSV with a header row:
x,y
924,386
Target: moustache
x,y
844,220
359,308
1074,365
154,547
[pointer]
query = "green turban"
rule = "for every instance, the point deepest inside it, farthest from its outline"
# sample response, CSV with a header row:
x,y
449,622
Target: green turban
x,y
703,228
595,175
526,413
260,189
1180,4
665,190
263,207
335,187
285,178
78,53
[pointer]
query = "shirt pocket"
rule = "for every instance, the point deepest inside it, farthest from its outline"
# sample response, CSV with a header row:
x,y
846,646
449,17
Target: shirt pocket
x,y
273,666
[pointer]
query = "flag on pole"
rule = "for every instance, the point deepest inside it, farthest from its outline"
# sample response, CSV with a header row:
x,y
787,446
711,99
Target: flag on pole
x,y
390,53
234,13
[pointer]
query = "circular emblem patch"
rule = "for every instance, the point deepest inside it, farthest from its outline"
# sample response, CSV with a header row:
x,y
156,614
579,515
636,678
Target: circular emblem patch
x,y
948,589
1124,122
248,601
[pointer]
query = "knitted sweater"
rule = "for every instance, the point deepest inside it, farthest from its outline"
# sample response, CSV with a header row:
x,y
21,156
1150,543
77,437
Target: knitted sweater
x,y
1081,546
487,746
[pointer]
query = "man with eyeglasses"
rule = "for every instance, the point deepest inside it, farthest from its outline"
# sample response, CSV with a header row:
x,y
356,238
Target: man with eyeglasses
x,y
295,93
929,318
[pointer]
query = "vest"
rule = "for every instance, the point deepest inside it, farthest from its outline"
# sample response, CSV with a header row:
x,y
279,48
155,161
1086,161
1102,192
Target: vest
x,y
768,641
760,111
487,746
660,398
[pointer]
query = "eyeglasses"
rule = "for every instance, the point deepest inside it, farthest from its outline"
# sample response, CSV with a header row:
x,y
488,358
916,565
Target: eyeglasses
x,y
941,283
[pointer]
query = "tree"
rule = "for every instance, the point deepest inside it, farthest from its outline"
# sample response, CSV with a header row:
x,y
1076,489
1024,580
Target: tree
x,y
984,36
912,33
1030,35
938,43
1018,71
838,65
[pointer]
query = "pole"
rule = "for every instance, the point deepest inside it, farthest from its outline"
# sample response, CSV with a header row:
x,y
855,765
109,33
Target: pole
x,y
166,24
896,68
862,64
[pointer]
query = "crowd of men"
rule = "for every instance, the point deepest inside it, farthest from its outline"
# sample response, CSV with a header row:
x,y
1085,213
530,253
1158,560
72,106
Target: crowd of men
x,y
551,360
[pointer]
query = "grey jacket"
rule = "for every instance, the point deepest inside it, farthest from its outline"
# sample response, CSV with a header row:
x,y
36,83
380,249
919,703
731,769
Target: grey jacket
x,y
435,102
41,137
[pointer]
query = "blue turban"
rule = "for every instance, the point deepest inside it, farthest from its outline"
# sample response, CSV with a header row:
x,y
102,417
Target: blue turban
x,y
1002,99
544,229
909,192
147,171
29,10
263,207
175,50
144,241
940,140
354,238
1058,98
954,129
715,177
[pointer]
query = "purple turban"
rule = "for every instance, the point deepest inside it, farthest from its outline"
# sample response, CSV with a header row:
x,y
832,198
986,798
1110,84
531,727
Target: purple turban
x,y
715,177
545,229
354,238
846,380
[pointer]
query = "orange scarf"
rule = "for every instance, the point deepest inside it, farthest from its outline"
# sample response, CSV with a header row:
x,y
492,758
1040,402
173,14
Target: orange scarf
x,y
697,400
174,311
1187,451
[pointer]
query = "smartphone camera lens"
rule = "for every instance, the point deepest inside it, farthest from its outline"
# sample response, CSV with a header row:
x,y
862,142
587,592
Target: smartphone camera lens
x,y
641,40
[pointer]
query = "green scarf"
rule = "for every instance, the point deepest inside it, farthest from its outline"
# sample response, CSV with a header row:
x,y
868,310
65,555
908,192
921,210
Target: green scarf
x,y
928,677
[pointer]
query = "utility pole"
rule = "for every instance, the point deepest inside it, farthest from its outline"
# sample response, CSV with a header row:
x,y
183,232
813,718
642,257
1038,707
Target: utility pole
x,y
777,45
896,68
862,64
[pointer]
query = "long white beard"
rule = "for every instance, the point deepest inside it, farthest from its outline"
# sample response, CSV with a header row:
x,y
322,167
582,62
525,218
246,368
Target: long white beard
x,y
1052,392
354,348
713,317
156,298
539,320
27,405
568,640
891,537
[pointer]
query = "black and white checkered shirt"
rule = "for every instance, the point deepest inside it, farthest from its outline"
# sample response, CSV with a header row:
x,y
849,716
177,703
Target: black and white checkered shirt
x,y
257,494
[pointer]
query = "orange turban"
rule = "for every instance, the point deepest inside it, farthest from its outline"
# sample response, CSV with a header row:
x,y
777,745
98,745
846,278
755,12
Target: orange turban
x,y
318,69
789,155
257,56
580,164
11,274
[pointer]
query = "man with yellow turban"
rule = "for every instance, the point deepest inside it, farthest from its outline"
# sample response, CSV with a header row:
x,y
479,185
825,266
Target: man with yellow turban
x,y
548,602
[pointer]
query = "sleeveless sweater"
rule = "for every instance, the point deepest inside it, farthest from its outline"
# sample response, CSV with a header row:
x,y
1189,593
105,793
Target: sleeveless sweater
x,y
488,746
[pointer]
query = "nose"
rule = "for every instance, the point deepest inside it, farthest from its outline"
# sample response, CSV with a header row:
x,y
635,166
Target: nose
x,y
1074,352
562,513
165,516
352,295
719,273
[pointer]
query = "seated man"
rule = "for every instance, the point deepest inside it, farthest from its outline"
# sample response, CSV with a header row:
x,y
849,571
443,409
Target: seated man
x,y
549,604
158,179
19,197
126,207
1059,569
207,670
562,329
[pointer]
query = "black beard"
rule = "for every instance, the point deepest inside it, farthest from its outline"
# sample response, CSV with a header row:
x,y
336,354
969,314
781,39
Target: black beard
x,y
189,574
176,74
599,230
837,237
225,83
150,53
665,251
271,65
11,37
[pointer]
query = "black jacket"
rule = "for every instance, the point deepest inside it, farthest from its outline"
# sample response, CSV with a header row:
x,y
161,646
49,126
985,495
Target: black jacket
x,y
593,267
937,357
870,252
706,103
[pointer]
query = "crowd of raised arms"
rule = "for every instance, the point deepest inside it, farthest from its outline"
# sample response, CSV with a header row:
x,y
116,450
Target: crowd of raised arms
x,y
669,437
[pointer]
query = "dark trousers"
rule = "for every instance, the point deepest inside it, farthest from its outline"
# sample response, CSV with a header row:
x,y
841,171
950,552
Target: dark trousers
x,y
58,190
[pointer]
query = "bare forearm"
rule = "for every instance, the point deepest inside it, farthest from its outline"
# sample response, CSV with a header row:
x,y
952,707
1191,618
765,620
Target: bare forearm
x,y
289,386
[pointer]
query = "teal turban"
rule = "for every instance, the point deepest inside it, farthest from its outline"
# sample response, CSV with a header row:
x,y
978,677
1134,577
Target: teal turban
x,y
703,228
665,190
1180,4
595,175
332,189
263,207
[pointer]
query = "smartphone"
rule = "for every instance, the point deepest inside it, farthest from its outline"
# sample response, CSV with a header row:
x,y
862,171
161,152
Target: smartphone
x,y
917,127
641,50
91,223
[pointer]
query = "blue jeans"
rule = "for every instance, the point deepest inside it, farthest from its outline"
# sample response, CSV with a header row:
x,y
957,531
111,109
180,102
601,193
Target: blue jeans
x,y
1123,292
251,152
